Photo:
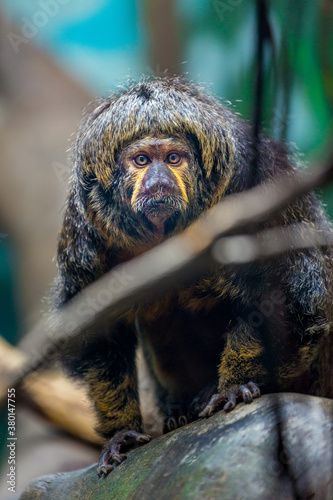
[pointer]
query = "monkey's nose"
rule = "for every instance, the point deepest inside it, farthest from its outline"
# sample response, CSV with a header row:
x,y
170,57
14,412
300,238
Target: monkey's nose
x,y
160,187
158,179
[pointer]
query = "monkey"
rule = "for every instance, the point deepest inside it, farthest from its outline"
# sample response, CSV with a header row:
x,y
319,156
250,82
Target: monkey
x,y
149,160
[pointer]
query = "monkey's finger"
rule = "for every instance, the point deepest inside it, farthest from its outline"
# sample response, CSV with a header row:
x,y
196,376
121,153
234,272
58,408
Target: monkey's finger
x,y
254,390
171,424
104,467
231,403
126,438
119,457
245,394
104,470
143,438
116,456
213,405
182,420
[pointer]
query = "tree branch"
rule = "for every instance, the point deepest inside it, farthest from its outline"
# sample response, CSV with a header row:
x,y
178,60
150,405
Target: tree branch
x,y
176,261
242,249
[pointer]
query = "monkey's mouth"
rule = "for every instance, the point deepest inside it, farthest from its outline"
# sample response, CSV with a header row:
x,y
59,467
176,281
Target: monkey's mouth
x,y
159,206
160,209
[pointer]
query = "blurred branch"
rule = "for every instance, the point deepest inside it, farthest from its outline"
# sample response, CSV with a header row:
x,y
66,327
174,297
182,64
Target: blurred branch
x,y
242,249
176,261
165,49
51,394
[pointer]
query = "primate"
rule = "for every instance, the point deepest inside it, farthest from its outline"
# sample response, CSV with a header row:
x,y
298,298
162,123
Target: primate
x,y
148,161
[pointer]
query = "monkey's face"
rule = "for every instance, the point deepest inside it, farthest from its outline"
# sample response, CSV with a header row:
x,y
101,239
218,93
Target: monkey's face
x,y
158,175
149,160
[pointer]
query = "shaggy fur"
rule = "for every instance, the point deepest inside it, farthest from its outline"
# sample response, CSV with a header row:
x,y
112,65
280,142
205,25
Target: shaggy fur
x,y
208,338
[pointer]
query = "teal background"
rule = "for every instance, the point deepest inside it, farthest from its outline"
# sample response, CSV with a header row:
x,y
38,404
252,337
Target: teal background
x,y
103,42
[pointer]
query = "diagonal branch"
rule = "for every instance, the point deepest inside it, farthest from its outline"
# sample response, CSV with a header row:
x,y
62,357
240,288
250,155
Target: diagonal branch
x,y
176,261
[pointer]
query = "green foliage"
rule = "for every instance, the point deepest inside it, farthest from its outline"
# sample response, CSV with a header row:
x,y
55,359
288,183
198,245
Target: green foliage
x,y
298,89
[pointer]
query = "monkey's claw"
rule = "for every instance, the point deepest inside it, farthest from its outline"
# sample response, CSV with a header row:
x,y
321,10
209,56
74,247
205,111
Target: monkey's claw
x,y
172,423
111,455
176,417
247,392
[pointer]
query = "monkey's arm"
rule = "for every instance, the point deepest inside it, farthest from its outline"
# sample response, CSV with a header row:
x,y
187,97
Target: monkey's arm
x,y
306,279
276,343
108,368
107,364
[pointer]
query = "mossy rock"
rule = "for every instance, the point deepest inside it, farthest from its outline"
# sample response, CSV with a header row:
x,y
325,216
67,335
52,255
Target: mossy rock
x,y
235,456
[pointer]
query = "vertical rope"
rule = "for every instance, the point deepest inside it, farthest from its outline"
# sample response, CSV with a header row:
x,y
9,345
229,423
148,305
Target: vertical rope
x,y
265,38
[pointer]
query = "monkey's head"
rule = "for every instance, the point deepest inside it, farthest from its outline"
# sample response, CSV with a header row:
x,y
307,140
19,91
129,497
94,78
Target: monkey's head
x,y
151,159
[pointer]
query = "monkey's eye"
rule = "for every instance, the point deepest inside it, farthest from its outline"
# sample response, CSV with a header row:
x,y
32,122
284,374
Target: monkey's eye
x,y
141,160
173,158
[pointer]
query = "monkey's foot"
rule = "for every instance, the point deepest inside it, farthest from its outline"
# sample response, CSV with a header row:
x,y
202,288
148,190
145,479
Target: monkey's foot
x,y
176,417
201,400
111,455
180,414
247,392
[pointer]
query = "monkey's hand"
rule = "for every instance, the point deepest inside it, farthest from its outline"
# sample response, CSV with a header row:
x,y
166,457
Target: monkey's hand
x,y
241,364
113,454
178,415
247,393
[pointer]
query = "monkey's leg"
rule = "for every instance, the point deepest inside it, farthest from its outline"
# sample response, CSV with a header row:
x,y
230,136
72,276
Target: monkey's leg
x,y
240,370
108,367
307,285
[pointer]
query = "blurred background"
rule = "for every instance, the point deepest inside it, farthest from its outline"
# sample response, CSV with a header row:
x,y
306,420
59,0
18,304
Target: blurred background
x,y
58,55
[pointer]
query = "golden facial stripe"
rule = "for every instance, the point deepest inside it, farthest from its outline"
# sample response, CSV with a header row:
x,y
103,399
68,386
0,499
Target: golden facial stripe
x,y
137,185
139,178
180,182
